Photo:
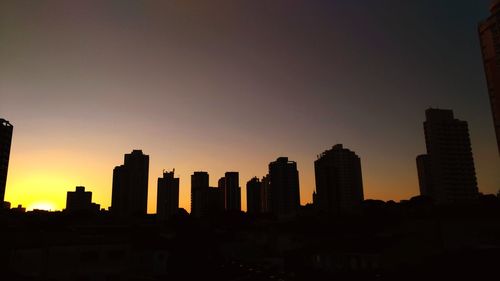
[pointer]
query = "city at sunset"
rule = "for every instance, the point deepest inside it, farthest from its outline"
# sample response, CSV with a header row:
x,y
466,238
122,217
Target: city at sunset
x,y
251,119
84,84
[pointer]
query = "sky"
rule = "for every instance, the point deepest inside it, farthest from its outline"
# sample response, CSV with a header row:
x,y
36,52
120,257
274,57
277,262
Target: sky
x,y
226,85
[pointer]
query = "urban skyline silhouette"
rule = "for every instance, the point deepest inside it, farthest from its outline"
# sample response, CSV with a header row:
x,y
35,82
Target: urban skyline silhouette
x,y
228,92
447,139
289,140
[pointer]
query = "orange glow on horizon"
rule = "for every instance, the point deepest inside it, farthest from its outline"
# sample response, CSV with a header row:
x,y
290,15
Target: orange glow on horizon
x,y
45,170
39,179
47,206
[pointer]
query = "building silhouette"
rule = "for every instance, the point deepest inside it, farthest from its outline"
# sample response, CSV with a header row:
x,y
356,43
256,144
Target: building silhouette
x,y
221,184
284,197
215,200
339,183
4,205
446,173
489,36
221,193
254,196
265,194
167,200
5,143
80,201
232,191
130,185
19,209
206,200
199,194
424,175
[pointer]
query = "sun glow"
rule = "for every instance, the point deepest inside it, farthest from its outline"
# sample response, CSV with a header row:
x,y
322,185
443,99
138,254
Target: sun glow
x,y
47,206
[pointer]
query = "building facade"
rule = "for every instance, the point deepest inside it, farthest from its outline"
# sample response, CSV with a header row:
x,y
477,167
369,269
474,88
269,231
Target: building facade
x,y
254,196
130,185
6,130
232,191
424,175
200,194
489,37
264,196
221,194
167,200
284,195
446,173
339,182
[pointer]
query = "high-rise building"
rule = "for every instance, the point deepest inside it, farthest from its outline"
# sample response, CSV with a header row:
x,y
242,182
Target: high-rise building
x,y
206,200
339,183
199,194
130,185
215,200
424,175
80,201
446,173
167,200
221,191
254,196
265,191
232,191
489,36
5,143
221,184
284,197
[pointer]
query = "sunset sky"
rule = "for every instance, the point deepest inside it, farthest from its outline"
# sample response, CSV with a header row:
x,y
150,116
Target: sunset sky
x,y
222,86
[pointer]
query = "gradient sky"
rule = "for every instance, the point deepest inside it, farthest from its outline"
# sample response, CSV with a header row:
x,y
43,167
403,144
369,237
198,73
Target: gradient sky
x,y
232,85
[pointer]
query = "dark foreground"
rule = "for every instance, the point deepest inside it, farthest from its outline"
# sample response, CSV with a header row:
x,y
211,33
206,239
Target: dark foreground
x,y
413,240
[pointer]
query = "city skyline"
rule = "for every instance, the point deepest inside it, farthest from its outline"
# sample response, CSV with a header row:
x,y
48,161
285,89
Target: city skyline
x,y
449,134
77,106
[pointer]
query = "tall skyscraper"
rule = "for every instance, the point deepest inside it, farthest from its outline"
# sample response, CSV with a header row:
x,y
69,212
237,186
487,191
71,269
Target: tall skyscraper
x,y
424,175
489,36
167,200
284,187
339,183
80,201
254,196
215,200
130,185
199,194
265,194
221,190
446,173
233,191
5,143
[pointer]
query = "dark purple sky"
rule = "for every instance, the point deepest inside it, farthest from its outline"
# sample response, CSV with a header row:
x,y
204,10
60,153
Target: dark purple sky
x,y
232,85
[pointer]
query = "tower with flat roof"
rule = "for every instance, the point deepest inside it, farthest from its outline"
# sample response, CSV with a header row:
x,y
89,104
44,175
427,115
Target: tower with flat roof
x,y
339,182
446,173
167,200
254,196
232,191
130,185
284,196
200,189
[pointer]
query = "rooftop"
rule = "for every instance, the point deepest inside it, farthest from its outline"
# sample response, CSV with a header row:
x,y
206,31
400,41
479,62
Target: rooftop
x,y
5,123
